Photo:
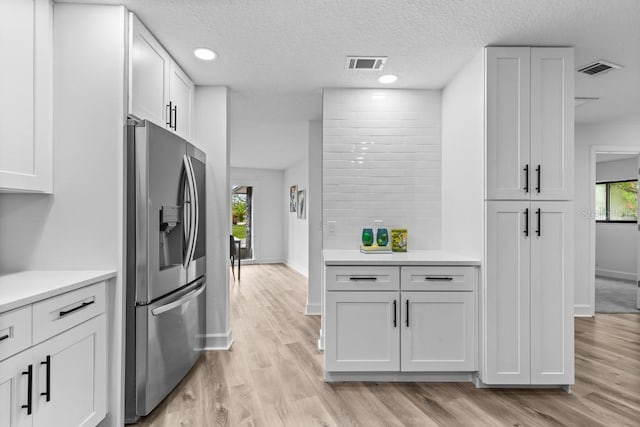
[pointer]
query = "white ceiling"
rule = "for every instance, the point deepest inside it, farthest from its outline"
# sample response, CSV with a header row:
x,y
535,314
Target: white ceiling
x,y
277,55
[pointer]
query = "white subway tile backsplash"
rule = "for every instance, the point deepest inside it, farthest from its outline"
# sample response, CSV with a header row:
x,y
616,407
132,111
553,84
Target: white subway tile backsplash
x,y
382,160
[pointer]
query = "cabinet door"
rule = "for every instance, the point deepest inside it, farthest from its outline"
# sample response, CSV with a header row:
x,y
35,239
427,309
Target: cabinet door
x,y
181,92
14,389
362,331
552,293
77,377
149,66
506,309
507,122
26,88
438,331
552,123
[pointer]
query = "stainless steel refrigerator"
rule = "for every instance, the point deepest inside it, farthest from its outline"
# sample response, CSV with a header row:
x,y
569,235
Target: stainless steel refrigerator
x,y
166,256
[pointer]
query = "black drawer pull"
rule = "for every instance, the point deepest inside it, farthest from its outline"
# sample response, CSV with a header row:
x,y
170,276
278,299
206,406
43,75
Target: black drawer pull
x,y
80,307
4,337
363,278
439,278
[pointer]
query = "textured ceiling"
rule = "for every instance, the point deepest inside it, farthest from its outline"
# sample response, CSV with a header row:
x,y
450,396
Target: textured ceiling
x,y
277,55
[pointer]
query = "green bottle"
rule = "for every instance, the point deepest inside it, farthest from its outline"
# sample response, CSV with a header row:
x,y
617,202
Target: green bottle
x,y
367,236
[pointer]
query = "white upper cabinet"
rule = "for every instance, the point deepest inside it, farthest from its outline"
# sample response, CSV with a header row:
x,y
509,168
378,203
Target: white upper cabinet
x,y
529,123
149,66
181,92
507,122
159,91
26,160
552,123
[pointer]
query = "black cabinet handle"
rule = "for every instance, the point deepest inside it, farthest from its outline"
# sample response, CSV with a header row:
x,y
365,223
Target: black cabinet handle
x,y
169,110
80,307
526,178
526,222
407,313
175,118
439,278
29,405
4,337
47,393
355,279
395,314
539,229
539,171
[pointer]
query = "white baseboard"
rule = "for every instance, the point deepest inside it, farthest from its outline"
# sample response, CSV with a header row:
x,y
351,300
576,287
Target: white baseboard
x,y
614,274
582,310
313,310
440,377
262,261
298,268
222,341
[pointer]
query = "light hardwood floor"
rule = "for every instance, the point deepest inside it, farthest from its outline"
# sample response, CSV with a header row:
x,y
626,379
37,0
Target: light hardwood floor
x,y
273,376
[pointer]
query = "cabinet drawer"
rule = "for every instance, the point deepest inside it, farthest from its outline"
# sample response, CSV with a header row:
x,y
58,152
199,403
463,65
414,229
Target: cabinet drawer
x,y
362,278
15,331
55,315
444,278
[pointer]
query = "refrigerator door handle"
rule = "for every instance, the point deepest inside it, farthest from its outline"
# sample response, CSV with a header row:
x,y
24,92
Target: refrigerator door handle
x,y
179,302
193,211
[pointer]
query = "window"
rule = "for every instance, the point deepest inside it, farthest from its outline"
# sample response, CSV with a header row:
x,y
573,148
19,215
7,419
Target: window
x,y
617,201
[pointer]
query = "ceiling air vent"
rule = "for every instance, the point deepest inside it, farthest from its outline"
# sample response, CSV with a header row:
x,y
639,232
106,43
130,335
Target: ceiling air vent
x,y
372,63
598,67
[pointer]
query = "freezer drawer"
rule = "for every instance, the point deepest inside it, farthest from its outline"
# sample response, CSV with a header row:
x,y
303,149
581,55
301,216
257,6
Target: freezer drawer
x,y
169,340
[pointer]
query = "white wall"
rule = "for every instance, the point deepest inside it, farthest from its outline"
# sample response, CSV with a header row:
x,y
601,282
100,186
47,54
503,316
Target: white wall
x,y
212,136
616,244
381,160
314,218
462,161
587,136
267,210
296,230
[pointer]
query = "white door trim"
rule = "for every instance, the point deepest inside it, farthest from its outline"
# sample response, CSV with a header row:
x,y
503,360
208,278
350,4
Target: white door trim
x,y
595,149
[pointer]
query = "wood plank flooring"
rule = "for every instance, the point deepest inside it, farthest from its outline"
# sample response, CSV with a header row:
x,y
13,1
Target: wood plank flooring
x,y
272,376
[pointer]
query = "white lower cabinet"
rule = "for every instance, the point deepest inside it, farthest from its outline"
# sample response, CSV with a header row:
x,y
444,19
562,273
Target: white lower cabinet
x,y
528,329
14,390
76,384
60,379
430,330
362,331
438,331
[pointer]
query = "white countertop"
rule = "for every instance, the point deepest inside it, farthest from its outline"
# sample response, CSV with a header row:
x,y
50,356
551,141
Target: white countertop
x,y
24,288
355,257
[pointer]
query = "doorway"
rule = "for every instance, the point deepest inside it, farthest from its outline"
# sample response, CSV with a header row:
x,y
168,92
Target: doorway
x,y
242,223
615,237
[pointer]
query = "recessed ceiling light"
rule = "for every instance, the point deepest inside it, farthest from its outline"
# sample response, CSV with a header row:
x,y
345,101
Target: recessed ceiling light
x,y
388,79
205,54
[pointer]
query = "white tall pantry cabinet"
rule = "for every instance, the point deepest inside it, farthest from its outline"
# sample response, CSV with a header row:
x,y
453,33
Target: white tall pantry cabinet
x,y
523,117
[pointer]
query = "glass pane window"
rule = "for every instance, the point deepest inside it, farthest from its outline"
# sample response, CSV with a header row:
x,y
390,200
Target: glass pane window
x,y
623,201
617,201
601,202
